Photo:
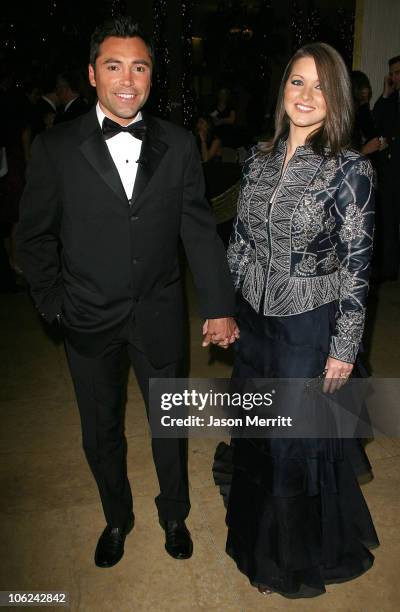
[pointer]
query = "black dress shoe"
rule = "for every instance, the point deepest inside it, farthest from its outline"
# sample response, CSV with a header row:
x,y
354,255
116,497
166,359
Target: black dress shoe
x,y
178,542
110,547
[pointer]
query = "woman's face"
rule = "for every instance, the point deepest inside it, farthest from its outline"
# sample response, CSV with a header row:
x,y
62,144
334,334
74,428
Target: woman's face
x,y
303,99
202,125
364,95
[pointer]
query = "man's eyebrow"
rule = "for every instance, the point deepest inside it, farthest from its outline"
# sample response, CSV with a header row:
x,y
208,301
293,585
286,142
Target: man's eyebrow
x,y
143,62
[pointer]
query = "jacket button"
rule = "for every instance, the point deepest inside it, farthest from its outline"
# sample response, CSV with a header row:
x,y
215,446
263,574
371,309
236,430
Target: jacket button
x,y
134,218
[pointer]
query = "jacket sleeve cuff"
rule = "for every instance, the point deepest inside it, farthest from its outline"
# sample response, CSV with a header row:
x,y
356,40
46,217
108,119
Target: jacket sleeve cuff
x,y
343,349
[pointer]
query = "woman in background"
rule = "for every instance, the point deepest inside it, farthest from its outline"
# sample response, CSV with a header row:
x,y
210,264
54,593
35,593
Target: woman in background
x,y
224,118
209,144
300,254
366,136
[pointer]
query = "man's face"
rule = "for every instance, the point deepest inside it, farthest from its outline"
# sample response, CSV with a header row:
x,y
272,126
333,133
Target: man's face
x,y
394,73
122,77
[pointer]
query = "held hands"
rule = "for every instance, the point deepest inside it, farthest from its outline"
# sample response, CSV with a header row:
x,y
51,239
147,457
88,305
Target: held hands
x,y
336,374
222,332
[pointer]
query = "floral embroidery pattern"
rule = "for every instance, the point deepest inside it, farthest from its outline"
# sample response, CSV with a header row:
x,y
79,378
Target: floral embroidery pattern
x,y
364,168
353,226
326,177
331,262
350,325
330,224
307,222
348,282
307,265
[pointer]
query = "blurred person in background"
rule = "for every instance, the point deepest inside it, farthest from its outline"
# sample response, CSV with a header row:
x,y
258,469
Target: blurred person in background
x,y
387,116
208,142
69,91
366,136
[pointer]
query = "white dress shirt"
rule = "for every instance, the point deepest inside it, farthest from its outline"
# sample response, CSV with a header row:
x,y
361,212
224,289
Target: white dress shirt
x,y
125,151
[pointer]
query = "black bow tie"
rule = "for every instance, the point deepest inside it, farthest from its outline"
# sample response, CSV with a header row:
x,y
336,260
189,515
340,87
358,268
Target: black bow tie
x,y
110,128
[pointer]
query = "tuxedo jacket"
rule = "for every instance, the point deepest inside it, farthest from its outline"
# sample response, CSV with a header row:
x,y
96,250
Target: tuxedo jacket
x,y
303,238
98,258
77,108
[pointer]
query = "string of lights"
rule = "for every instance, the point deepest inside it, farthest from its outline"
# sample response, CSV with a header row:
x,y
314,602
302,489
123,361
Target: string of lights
x,y
297,23
161,77
188,104
305,23
118,7
313,25
346,20
266,11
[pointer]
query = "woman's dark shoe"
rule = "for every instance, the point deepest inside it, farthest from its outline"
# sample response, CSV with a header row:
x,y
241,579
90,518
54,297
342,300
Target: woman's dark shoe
x,y
178,542
110,547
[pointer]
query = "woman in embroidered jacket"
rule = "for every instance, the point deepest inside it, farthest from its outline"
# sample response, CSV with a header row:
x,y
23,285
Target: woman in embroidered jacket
x,y
300,254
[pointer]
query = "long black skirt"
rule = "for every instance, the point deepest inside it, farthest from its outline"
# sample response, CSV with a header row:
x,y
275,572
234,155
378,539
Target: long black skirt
x,y
297,519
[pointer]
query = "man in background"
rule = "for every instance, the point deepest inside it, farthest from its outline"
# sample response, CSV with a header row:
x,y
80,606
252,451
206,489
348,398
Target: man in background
x,y
387,117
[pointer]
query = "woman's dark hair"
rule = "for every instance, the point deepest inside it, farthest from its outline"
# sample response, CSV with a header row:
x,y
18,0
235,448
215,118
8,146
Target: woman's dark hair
x,y
336,131
121,27
359,81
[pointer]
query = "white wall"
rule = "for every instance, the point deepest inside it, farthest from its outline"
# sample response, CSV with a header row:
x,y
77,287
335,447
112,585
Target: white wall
x,y
377,38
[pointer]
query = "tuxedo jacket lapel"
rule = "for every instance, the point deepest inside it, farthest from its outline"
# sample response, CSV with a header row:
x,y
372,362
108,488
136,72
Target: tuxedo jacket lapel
x,y
95,150
152,151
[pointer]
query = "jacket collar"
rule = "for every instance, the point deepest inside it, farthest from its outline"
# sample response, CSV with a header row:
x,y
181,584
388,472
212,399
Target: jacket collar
x,y
304,150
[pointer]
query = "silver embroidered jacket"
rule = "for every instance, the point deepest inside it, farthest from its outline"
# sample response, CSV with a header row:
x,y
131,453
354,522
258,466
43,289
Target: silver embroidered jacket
x,y
305,238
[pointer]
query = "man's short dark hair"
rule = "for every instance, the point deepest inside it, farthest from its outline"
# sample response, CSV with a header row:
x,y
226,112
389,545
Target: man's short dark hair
x,y
394,60
121,27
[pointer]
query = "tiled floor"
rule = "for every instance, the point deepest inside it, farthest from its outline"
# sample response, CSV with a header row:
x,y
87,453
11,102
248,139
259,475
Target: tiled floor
x,y
50,514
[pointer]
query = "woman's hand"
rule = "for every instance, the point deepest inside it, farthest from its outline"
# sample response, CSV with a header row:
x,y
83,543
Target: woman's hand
x,y
371,146
336,374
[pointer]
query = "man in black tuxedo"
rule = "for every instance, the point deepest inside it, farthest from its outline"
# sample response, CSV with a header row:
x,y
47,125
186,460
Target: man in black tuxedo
x,y
118,205
387,117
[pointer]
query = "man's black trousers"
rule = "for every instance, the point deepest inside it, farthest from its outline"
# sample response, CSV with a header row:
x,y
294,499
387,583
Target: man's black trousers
x,y
100,392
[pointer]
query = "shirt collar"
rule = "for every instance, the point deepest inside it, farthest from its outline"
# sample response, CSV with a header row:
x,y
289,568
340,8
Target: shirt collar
x,y
101,115
66,107
50,102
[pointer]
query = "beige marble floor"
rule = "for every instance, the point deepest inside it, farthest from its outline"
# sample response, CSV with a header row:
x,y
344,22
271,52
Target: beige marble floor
x,y
50,516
